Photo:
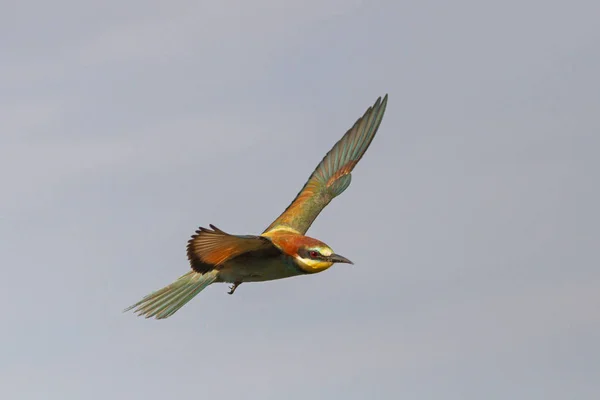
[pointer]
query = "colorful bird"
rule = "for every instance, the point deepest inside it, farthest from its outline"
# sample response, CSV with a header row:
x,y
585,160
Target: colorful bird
x,y
282,250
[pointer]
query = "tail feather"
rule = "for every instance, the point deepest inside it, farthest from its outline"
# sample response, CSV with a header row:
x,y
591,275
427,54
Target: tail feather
x,y
166,301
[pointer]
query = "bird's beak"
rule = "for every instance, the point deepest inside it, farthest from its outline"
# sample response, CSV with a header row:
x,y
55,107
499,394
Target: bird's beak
x,y
336,258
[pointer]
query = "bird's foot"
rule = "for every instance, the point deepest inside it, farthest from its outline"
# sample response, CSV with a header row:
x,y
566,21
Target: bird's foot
x,y
233,287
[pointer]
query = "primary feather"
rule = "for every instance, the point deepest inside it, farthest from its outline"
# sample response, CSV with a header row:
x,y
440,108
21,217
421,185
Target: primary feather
x,y
332,175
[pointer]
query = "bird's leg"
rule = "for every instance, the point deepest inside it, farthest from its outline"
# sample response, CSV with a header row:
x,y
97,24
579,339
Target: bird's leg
x,y
233,287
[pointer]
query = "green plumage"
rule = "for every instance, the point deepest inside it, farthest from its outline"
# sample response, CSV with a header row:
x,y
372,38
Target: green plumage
x,y
332,175
165,302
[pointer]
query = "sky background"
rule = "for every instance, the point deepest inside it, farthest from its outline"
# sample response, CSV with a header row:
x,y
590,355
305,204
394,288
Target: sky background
x,y
472,220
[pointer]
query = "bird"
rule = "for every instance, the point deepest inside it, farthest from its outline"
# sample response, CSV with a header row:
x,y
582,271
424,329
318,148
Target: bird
x,y
282,250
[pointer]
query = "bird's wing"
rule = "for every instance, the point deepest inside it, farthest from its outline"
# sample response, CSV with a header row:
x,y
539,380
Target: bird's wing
x,y
209,248
332,175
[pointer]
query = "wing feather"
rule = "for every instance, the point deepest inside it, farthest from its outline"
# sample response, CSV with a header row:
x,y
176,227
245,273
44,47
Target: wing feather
x,y
210,248
333,174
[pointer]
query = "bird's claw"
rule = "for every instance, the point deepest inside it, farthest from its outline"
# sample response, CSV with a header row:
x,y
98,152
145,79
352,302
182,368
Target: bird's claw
x,y
233,287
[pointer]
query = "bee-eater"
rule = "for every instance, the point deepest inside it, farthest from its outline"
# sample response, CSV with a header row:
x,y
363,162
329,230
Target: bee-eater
x,y
282,250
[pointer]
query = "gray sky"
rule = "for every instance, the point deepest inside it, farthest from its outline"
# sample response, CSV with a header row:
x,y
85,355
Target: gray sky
x,y
473,218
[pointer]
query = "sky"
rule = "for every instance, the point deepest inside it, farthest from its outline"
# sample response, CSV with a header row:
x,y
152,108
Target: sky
x,y
472,220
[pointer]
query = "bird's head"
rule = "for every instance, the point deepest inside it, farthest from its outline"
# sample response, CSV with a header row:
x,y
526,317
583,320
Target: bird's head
x,y
315,256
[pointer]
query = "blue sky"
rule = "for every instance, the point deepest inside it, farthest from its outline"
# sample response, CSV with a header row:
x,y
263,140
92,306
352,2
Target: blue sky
x,y
472,219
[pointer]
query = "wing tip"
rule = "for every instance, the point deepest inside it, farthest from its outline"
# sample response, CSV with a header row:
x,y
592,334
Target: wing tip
x,y
381,103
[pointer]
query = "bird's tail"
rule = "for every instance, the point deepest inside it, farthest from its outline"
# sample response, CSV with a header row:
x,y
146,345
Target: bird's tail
x,y
166,301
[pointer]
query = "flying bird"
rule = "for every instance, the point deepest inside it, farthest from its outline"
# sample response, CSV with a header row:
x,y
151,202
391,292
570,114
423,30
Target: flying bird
x,y
282,250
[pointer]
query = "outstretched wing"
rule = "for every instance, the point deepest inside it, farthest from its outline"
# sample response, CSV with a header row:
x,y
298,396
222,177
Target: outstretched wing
x,y
332,175
208,249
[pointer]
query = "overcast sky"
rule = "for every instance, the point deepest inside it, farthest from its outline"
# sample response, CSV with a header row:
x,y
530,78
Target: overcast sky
x,y
472,220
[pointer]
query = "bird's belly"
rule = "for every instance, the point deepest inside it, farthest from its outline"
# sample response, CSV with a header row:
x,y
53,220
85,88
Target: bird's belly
x,y
258,270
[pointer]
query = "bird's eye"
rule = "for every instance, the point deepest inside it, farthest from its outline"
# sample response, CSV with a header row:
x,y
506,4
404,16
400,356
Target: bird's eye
x,y
314,254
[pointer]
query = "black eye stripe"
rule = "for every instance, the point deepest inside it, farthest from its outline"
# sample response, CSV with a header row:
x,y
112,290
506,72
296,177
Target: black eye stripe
x,y
313,254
